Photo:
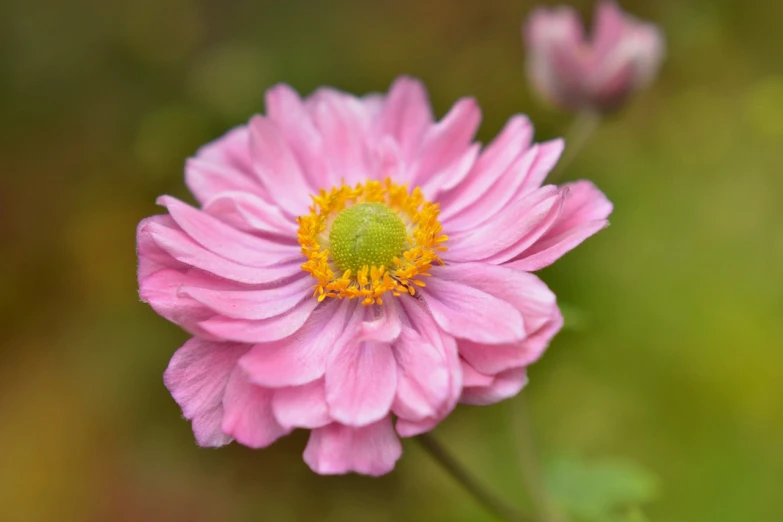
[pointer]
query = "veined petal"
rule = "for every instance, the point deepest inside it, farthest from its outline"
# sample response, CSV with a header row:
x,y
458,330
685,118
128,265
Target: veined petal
x,y
300,358
361,378
301,406
189,253
251,304
584,213
504,386
277,168
227,241
248,413
337,449
196,377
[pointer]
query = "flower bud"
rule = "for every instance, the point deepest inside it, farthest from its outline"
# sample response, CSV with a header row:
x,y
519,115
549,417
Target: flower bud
x,y
598,73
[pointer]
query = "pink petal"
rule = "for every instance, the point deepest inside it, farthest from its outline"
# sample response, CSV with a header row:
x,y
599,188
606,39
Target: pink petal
x,y
343,121
277,168
182,248
286,109
231,150
301,406
161,291
337,449
252,304
525,292
248,413
452,174
300,358
468,312
197,377
495,159
422,321
495,358
227,241
549,153
584,213
510,232
263,330
608,27
206,179
385,324
406,115
152,258
504,386
556,61
361,379
250,213
472,378
422,377
446,141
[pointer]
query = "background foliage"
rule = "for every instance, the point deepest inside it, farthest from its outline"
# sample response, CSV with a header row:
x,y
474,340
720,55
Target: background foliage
x,y
665,387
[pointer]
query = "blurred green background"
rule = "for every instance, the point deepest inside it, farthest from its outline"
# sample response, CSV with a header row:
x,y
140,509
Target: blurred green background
x,y
672,358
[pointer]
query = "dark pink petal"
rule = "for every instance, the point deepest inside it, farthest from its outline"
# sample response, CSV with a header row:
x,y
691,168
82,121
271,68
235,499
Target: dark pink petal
x,y
301,406
495,358
182,248
406,115
504,386
361,378
277,168
251,304
250,213
263,330
227,241
247,412
584,213
336,449
300,358
197,377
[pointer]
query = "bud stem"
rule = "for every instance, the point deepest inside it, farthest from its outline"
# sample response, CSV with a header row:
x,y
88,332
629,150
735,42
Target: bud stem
x,y
582,128
493,504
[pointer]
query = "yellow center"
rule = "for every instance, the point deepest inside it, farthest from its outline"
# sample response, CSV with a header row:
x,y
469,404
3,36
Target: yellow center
x,y
370,239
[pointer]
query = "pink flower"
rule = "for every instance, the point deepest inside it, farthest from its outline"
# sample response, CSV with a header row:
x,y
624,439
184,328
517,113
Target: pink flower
x,y
320,286
598,74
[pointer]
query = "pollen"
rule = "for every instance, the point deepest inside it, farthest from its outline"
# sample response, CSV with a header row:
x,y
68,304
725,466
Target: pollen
x,y
370,239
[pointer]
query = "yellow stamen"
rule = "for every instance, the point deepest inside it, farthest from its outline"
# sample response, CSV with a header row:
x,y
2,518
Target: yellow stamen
x,y
369,283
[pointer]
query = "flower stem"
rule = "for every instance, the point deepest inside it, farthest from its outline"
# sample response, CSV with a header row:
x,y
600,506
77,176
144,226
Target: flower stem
x,y
543,506
582,128
493,504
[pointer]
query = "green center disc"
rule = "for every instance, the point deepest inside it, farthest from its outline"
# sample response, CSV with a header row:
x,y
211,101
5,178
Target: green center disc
x,y
366,234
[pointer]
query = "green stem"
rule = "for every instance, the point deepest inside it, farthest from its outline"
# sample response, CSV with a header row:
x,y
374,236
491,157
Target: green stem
x,y
493,504
582,128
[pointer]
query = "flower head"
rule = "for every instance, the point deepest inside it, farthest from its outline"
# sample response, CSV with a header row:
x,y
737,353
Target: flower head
x,y
576,73
356,268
